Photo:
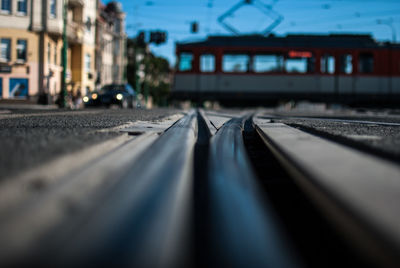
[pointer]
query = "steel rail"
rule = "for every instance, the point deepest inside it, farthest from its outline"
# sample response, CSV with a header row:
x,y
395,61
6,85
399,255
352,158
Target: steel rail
x,y
144,221
243,229
330,119
357,192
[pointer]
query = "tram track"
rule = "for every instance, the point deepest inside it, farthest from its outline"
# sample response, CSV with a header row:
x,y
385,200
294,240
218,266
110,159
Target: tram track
x,y
349,133
352,189
233,190
334,119
310,232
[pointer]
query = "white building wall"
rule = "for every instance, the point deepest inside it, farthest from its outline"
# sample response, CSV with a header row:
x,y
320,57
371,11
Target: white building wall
x,y
16,20
90,13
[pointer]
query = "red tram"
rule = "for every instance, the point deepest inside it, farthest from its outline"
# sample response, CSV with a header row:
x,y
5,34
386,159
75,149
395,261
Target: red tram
x,y
257,70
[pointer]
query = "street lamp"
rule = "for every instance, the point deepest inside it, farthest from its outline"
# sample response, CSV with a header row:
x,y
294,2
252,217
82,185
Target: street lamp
x,y
63,93
389,23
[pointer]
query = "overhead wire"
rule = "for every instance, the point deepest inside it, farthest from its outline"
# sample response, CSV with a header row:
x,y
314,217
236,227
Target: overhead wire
x,y
333,21
354,16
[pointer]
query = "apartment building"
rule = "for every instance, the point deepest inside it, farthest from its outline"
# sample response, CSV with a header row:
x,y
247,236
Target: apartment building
x,y
31,47
111,57
81,41
19,58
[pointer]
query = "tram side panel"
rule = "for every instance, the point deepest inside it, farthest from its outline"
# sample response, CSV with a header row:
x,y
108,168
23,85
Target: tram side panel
x,y
216,86
395,83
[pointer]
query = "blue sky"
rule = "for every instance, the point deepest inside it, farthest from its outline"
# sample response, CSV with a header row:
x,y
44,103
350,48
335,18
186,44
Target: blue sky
x,y
300,16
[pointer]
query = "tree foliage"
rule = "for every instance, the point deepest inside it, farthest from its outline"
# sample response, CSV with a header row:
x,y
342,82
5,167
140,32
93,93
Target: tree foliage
x,y
156,80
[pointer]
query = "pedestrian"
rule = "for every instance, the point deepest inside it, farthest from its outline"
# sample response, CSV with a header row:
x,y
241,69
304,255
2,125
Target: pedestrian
x,y
78,100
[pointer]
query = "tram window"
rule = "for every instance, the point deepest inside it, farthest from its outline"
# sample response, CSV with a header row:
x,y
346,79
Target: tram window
x,y
346,64
235,63
300,62
296,65
327,64
267,63
185,62
207,63
300,65
366,63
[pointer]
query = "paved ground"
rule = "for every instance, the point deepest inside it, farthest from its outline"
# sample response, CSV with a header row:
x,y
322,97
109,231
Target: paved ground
x,y
89,200
32,136
29,137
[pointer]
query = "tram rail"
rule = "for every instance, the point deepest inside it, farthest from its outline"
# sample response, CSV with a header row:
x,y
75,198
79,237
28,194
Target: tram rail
x,y
214,190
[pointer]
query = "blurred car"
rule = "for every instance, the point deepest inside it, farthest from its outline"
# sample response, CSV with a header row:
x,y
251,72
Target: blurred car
x,y
114,94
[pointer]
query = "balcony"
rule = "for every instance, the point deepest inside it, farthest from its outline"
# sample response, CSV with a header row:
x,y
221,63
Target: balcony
x,y
76,3
75,32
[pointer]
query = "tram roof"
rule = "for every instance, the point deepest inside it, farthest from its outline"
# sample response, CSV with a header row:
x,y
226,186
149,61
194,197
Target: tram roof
x,y
290,41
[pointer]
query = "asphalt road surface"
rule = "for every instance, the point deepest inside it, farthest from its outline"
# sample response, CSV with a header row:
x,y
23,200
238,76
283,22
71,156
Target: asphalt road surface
x,y
31,137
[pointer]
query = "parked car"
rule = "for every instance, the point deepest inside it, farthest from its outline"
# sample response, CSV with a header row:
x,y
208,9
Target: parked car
x,y
123,95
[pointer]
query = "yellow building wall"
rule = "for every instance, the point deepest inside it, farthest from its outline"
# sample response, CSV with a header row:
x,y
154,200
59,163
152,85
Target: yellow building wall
x,y
80,76
76,66
27,70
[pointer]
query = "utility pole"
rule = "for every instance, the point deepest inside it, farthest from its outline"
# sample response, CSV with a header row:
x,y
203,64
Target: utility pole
x,y
63,93
146,85
389,23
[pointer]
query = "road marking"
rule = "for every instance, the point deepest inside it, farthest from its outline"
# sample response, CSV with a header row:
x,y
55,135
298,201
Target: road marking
x,y
139,127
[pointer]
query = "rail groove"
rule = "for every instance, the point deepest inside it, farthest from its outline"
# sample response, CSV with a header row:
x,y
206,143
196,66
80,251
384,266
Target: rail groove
x,y
355,190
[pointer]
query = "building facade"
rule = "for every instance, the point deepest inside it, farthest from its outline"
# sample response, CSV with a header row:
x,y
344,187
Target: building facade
x,y
111,39
31,47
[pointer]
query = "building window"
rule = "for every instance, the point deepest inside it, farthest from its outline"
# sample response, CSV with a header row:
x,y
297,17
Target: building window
x,y
366,63
21,50
235,63
48,52
116,72
117,48
22,6
207,63
6,6
53,8
62,57
185,62
5,49
346,64
268,63
88,62
55,55
327,64
117,26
